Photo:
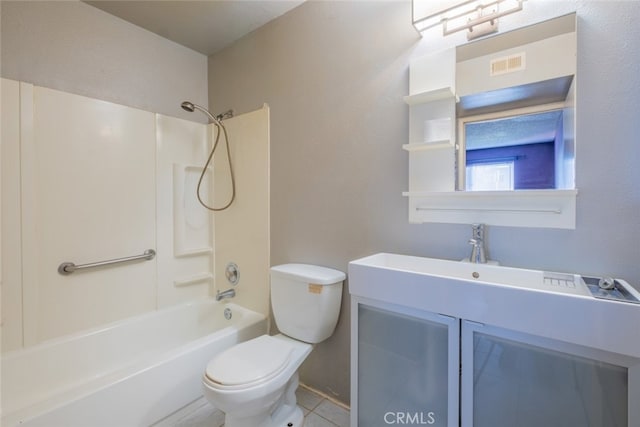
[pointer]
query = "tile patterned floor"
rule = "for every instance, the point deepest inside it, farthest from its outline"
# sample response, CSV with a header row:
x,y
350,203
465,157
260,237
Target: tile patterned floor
x,y
318,412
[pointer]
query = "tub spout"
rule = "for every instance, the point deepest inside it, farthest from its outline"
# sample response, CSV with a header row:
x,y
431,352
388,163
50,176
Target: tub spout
x,y
229,293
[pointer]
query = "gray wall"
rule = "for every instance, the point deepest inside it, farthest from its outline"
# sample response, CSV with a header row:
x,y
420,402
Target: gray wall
x,y
74,47
334,74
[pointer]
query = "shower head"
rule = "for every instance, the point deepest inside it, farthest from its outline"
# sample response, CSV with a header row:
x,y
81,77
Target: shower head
x,y
187,106
191,107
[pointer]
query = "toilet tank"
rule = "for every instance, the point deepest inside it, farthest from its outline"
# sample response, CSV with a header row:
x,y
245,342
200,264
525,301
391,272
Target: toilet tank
x,y
306,300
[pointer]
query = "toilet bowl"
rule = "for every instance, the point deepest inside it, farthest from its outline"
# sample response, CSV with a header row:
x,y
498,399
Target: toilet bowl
x,y
252,379
254,382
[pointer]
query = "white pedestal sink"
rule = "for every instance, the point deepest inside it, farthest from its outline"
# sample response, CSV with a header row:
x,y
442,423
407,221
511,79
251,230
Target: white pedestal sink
x,y
474,345
553,305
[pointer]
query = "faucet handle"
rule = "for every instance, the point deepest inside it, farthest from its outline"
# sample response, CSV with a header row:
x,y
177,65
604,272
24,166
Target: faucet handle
x,y
477,231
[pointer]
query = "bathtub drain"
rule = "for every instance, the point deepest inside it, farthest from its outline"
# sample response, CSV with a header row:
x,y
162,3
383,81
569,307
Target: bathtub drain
x,y
227,313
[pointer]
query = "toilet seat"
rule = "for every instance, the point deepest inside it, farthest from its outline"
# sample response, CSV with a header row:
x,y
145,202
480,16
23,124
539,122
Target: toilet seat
x,y
249,363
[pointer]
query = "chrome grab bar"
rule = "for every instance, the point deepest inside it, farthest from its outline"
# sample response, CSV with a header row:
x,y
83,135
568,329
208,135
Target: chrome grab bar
x,y
67,268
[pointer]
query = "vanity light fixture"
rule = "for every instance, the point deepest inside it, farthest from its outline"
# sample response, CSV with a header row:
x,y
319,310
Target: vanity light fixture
x,y
479,17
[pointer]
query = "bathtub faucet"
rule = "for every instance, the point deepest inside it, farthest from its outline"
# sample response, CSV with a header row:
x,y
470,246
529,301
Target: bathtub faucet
x,y
229,293
477,241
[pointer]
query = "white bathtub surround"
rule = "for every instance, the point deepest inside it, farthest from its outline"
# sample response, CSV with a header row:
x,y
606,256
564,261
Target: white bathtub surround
x,y
70,158
84,180
185,231
242,230
132,372
190,238
76,156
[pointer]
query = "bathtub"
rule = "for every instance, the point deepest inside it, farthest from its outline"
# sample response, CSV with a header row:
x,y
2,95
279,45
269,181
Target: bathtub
x,y
130,373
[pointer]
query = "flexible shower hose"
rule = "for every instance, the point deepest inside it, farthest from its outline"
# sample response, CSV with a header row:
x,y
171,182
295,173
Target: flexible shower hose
x,y
219,127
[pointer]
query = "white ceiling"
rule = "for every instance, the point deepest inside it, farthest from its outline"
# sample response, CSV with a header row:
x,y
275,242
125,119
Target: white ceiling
x,y
516,130
204,26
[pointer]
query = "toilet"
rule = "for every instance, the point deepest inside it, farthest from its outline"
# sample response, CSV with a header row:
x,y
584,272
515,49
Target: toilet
x,y
254,382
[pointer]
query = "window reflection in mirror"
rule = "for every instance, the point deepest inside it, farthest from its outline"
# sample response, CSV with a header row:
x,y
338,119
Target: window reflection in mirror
x,y
490,175
514,150
516,125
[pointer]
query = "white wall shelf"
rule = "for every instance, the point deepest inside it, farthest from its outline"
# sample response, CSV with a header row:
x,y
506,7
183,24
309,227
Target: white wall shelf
x,y
429,96
420,146
522,208
195,279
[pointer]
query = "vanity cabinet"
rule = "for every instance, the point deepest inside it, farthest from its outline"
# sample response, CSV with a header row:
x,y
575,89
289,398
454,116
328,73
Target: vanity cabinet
x,y
515,379
415,367
404,366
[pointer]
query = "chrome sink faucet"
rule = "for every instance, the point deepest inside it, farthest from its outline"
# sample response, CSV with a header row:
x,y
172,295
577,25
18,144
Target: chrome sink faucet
x,y
478,253
229,293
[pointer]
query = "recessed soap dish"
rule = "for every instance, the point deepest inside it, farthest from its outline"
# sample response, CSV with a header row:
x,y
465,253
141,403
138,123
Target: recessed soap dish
x,y
621,291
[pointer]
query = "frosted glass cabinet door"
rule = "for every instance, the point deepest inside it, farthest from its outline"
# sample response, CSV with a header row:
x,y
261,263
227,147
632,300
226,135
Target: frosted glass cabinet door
x,y
512,379
407,368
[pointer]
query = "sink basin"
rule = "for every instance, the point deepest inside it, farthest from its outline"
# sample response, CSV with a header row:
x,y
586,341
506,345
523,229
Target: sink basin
x,y
559,306
485,273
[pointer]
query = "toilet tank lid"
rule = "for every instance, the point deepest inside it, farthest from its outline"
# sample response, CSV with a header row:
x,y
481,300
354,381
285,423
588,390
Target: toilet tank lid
x,y
308,273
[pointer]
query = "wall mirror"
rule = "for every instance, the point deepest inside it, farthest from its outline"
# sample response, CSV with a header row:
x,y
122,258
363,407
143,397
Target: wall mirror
x,y
518,135
492,129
